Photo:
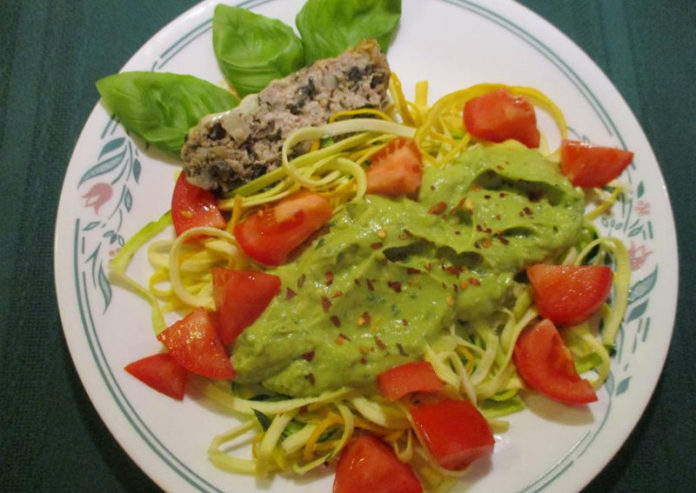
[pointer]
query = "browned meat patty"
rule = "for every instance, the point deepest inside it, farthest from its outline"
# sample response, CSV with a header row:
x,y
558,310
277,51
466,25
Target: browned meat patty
x,y
227,149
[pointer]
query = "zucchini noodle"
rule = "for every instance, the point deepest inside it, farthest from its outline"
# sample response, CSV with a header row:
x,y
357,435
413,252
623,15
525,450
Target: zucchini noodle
x,y
474,360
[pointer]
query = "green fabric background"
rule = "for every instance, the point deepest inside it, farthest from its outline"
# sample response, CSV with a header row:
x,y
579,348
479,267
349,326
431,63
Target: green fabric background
x,y
51,438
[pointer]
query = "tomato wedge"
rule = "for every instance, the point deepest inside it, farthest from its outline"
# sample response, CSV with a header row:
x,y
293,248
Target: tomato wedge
x,y
588,165
499,116
418,376
194,206
161,373
546,365
396,169
454,431
367,464
272,233
241,296
193,342
569,294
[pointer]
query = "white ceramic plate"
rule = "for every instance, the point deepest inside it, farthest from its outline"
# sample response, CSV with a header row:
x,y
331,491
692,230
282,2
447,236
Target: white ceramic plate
x,y
114,185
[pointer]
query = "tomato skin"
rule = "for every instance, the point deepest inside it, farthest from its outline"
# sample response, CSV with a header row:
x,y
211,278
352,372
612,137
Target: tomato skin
x,y
367,464
587,165
271,234
396,169
194,206
193,342
499,116
417,376
241,296
454,431
546,365
569,294
160,372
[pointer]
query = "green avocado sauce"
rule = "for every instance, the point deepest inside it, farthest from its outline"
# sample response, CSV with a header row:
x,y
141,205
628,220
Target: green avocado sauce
x,y
391,275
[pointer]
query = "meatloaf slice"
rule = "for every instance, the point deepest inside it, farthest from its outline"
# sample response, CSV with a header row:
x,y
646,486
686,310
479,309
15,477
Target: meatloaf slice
x,y
227,149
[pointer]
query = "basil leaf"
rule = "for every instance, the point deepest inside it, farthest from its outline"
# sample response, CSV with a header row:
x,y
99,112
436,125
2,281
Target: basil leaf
x,y
162,107
252,50
329,27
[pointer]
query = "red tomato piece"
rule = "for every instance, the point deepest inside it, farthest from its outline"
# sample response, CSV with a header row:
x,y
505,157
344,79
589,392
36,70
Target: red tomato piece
x,y
241,296
367,464
271,234
193,342
499,116
395,169
569,294
160,372
587,165
194,206
546,365
418,376
454,431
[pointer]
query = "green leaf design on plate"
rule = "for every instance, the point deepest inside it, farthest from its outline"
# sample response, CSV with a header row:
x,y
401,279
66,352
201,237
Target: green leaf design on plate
x,y
104,287
137,168
103,167
111,145
623,386
128,200
642,287
637,311
641,190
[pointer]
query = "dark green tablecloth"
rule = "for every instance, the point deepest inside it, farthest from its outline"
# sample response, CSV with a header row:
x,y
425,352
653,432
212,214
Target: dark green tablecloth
x,y
51,438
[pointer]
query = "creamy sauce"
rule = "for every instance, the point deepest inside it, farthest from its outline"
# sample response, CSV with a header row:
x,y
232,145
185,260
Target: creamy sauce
x,y
390,275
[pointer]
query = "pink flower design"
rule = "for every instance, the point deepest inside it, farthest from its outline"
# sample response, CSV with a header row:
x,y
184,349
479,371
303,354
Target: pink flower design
x,y
642,208
98,195
638,255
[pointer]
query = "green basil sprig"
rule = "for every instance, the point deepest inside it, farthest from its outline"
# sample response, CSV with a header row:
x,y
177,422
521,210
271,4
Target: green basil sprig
x,y
162,107
252,50
329,27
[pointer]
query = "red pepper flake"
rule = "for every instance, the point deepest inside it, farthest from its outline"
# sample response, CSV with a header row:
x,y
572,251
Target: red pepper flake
x,y
310,378
405,322
536,195
455,271
401,349
370,286
476,186
335,320
356,281
432,187
363,360
438,208
474,282
527,211
325,303
303,409
486,196
364,319
429,267
412,270
457,233
364,349
463,285
380,343
502,195
503,240
290,294
309,356
405,235
301,281
376,245
329,278
479,228
337,294
395,285
486,242
499,167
